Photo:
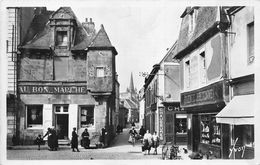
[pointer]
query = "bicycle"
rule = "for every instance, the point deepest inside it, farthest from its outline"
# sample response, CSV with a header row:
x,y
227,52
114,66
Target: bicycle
x,y
133,140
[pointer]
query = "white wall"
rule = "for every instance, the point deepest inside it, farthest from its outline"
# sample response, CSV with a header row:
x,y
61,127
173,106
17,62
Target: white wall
x,y
238,43
73,115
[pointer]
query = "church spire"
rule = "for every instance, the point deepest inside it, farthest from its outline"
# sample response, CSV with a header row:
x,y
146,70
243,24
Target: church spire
x,y
131,86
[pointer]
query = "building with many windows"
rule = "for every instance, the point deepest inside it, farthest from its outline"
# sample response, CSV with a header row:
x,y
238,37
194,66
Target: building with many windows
x,y
162,101
215,50
67,78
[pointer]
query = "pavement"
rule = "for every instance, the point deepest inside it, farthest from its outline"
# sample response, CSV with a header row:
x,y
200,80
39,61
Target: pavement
x,y
120,149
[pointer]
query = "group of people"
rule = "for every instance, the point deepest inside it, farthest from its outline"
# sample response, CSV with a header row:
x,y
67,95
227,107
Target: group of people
x,y
52,139
148,140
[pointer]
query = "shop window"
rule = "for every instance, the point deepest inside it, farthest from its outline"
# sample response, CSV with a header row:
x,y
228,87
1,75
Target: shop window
x,y
34,115
86,116
210,130
61,38
181,124
100,71
250,31
244,135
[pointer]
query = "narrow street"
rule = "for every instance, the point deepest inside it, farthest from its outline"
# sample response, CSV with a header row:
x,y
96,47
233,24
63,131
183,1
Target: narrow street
x,y
120,149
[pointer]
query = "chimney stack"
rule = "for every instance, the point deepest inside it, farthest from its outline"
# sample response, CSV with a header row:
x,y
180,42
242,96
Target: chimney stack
x,y
89,26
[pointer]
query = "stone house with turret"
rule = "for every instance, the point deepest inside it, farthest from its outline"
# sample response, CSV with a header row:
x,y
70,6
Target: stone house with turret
x,y
66,79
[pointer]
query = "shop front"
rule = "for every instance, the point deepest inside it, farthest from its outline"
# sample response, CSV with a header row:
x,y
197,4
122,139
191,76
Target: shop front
x,y
202,105
239,115
61,107
173,123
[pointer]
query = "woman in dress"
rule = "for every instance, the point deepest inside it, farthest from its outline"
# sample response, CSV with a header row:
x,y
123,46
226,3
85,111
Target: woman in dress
x,y
74,140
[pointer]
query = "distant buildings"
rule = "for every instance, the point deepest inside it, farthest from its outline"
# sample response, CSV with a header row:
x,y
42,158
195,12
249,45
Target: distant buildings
x,y
66,78
162,101
129,100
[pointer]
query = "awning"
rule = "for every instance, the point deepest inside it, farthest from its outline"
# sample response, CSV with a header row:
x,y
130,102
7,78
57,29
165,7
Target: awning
x,y
239,111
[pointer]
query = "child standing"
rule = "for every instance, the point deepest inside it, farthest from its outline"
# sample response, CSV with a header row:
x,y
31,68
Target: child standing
x,y
38,141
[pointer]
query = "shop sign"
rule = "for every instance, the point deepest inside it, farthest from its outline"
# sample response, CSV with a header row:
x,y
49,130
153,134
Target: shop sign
x,y
209,94
161,125
38,89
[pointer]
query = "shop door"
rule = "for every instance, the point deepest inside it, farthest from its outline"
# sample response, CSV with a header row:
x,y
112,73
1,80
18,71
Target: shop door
x,y
62,121
195,132
169,126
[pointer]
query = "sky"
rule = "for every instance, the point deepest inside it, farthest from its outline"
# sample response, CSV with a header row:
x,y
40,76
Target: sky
x,y
140,32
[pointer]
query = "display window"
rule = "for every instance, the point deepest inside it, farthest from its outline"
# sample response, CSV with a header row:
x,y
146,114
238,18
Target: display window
x,y
34,115
181,124
210,130
244,135
86,116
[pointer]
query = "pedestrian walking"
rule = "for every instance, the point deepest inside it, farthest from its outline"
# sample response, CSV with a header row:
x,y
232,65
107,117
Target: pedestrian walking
x,y
103,136
133,124
147,142
50,139
132,136
74,140
85,139
142,131
155,142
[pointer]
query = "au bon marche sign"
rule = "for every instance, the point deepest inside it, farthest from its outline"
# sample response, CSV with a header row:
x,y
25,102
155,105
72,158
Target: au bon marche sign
x,y
43,89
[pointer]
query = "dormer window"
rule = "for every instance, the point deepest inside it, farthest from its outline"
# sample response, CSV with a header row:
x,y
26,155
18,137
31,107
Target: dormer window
x,y
62,38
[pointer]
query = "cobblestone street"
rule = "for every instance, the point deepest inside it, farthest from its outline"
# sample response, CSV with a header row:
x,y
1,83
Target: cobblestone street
x,y
119,150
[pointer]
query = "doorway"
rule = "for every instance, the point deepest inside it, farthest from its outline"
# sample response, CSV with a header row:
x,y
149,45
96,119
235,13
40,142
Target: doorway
x,y
62,121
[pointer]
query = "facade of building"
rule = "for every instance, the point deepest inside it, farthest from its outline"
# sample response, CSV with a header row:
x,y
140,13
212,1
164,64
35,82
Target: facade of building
x,y
19,20
141,107
239,112
67,78
162,101
130,101
203,51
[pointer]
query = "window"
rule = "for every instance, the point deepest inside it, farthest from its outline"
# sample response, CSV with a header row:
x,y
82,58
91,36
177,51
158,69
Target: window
x,y
61,108
187,74
210,130
181,123
61,38
86,116
244,135
100,71
202,68
34,115
250,31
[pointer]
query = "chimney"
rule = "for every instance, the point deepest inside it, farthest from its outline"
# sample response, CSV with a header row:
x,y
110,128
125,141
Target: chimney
x,y
89,26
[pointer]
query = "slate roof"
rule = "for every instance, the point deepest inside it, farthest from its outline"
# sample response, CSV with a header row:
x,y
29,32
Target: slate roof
x,y
131,104
40,34
206,25
39,27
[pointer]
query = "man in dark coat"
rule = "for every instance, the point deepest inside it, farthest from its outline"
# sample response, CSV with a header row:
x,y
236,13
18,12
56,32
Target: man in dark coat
x,y
142,131
74,140
50,139
85,138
